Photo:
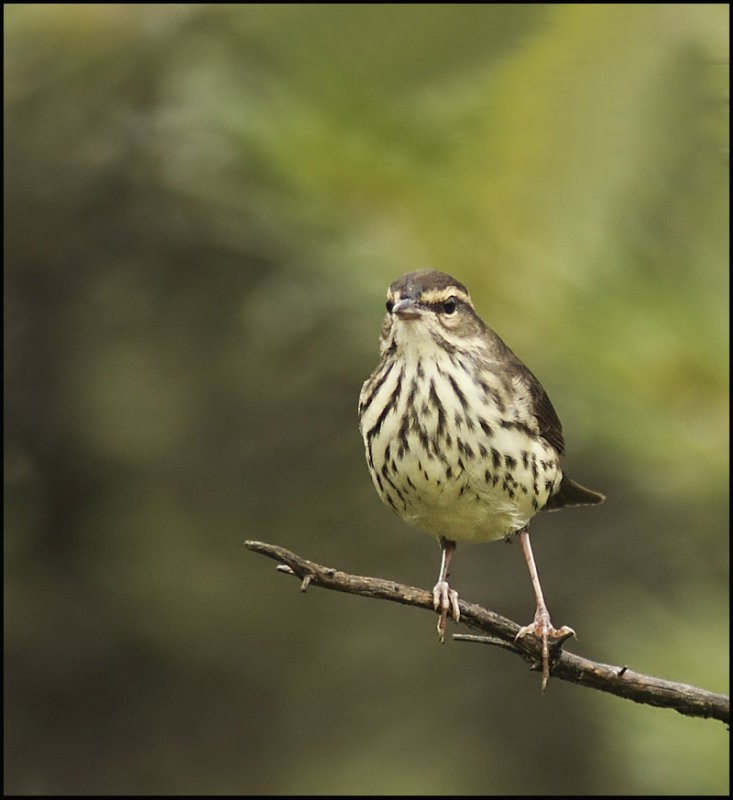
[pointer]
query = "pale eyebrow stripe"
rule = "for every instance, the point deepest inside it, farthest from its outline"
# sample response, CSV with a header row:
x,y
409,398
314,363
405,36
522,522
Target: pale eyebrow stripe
x,y
441,295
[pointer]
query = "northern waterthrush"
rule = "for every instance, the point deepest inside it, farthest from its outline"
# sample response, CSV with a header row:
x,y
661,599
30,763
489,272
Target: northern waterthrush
x,y
461,439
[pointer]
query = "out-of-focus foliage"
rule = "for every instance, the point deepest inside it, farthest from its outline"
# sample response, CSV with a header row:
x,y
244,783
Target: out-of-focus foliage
x,y
203,206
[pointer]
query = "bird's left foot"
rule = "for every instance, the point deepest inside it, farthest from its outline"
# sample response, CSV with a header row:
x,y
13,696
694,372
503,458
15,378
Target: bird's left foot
x,y
550,637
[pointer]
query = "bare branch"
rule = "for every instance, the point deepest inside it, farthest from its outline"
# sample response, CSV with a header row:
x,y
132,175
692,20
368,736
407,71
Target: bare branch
x,y
500,631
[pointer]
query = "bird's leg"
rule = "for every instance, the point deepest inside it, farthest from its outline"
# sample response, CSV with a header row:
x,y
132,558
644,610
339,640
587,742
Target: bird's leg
x,y
542,626
445,599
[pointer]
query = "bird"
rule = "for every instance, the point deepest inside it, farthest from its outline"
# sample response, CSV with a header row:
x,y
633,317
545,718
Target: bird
x,y
461,439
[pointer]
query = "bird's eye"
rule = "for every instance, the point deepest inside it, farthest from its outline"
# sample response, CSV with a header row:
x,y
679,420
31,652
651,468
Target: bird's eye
x,y
390,306
450,305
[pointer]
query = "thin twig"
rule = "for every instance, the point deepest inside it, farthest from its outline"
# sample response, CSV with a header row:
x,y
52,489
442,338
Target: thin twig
x,y
501,632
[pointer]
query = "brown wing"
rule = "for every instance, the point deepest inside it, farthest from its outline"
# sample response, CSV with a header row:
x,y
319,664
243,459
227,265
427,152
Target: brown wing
x,y
550,427
547,419
548,423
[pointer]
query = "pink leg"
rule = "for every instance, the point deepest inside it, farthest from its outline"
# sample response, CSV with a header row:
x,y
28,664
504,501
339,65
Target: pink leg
x,y
542,626
445,599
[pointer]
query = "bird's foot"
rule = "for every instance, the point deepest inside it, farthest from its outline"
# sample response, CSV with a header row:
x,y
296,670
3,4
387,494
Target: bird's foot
x,y
550,638
445,600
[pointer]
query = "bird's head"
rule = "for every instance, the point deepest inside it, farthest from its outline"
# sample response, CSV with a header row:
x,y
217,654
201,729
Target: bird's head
x,y
429,308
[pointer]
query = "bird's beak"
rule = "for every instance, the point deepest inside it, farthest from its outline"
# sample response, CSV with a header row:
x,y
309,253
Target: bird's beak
x,y
406,308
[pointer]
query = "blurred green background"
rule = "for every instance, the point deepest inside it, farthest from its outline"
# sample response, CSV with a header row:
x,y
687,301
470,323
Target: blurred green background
x,y
203,208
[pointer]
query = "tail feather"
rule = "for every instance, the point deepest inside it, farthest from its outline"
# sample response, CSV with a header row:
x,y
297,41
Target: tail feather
x,y
570,493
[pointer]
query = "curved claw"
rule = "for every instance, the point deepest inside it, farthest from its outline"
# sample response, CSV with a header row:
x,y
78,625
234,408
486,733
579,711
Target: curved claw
x,y
445,600
550,638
